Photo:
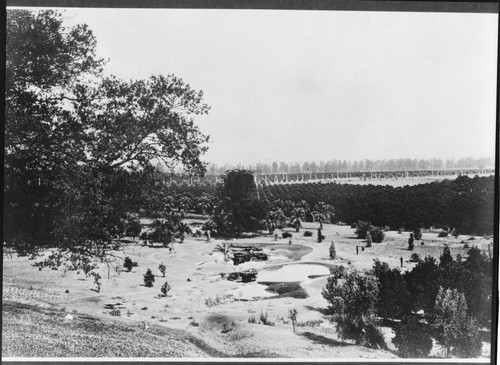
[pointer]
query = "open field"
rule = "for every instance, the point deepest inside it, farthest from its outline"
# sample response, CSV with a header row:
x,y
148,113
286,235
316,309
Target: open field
x,y
204,314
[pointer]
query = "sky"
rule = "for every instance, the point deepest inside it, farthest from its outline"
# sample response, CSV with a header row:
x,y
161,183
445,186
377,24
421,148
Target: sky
x,y
288,85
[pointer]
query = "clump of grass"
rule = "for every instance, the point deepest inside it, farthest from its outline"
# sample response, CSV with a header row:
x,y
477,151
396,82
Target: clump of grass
x,y
310,323
209,302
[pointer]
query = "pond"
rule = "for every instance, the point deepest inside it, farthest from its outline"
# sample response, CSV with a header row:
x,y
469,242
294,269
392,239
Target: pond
x,y
293,273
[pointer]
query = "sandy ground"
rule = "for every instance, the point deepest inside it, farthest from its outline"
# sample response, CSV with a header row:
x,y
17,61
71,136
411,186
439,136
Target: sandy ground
x,y
219,311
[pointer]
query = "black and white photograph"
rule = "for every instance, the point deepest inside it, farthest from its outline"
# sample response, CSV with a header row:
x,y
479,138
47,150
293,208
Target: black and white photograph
x,y
298,182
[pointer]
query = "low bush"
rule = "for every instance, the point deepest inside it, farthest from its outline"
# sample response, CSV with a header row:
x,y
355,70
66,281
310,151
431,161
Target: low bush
x,y
287,235
165,288
417,234
412,338
162,269
128,264
443,234
308,233
364,228
415,257
333,251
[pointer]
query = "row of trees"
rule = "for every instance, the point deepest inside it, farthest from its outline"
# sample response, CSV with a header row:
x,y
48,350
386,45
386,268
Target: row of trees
x,y
399,164
465,204
454,296
78,143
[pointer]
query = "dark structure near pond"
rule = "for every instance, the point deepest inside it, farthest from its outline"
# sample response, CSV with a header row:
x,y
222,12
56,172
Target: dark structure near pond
x,y
248,253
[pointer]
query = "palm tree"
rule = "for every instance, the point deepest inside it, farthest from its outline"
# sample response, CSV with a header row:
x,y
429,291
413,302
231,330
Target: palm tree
x,y
322,213
225,249
182,229
298,214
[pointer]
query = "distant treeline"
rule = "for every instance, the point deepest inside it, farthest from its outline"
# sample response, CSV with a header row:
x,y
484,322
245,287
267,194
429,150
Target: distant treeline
x,y
466,204
358,166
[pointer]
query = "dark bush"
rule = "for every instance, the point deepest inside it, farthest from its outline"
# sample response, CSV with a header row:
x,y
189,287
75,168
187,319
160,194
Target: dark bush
x,y
377,234
412,338
363,228
128,264
415,257
165,288
286,235
393,299
149,278
443,234
417,234
308,233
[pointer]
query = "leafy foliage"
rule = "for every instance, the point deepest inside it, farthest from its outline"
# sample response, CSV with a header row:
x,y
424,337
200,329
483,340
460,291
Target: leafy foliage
x,y
454,330
393,298
149,278
74,138
163,269
332,251
364,228
128,264
165,288
412,338
463,203
239,208
352,299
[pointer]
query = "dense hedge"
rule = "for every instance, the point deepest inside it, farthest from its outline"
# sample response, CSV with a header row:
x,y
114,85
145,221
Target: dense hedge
x,y
465,204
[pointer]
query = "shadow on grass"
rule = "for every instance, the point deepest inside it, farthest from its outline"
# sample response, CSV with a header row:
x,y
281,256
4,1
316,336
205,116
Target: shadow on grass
x,y
322,340
323,311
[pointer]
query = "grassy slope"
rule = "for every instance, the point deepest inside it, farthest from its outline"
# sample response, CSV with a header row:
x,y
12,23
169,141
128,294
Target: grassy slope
x,y
28,331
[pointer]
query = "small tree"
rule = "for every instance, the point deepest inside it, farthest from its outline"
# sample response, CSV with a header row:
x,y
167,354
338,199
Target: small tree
x,y
454,330
412,338
292,314
149,278
411,245
165,288
162,269
128,264
352,297
333,252
225,249
97,280
417,233
368,240
132,226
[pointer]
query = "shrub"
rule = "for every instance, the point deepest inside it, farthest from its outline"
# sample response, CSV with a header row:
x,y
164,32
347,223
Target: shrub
x,y
443,234
264,320
97,280
308,233
132,226
415,257
454,330
377,234
364,228
393,299
333,252
225,249
417,233
149,278
292,314
162,269
422,284
412,338
165,288
287,235
128,264
352,300
368,240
